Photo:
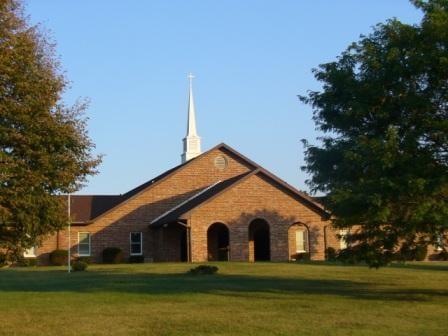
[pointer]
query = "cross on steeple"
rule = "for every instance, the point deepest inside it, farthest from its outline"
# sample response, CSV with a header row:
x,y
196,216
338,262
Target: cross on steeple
x,y
192,142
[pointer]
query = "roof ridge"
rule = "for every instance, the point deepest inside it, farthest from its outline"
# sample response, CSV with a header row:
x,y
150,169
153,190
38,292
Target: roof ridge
x,y
255,168
233,181
185,202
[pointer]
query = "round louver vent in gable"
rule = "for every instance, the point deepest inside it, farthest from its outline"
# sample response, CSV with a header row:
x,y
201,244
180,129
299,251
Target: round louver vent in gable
x,y
220,162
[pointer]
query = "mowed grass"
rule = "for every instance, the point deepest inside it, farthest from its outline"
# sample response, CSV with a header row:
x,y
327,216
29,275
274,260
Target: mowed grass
x,y
242,299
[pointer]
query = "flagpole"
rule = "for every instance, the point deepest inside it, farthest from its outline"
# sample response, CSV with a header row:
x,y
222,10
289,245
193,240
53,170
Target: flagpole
x,y
69,233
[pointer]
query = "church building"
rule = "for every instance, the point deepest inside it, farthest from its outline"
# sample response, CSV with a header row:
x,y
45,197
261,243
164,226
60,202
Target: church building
x,y
216,205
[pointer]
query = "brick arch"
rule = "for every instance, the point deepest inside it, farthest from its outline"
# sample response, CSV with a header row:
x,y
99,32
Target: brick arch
x,y
218,242
295,238
259,240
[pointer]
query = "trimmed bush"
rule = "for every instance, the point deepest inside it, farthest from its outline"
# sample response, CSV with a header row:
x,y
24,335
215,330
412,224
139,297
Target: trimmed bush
x,y
79,266
137,259
421,252
27,262
408,253
203,270
87,260
59,257
112,255
330,254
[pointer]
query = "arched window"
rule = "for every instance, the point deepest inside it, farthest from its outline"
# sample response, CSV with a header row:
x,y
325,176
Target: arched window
x,y
299,242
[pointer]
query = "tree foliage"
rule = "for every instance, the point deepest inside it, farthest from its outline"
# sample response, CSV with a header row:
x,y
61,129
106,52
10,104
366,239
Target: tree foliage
x,y
44,146
383,161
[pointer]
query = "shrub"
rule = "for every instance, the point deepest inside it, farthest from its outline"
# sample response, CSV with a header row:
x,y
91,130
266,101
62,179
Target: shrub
x,y
303,256
137,259
421,252
59,257
27,262
409,253
443,255
349,256
87,260
330,254
79,266
203,270
3,260
112,255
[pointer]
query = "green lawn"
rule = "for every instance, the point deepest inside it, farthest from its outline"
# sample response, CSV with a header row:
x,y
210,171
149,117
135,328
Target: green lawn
x,y
243,299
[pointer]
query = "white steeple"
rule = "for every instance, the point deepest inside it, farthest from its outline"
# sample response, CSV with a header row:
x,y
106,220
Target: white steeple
x,y
192,142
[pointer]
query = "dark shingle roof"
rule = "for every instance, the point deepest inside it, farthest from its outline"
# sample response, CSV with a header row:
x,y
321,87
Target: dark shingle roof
x,y
86,207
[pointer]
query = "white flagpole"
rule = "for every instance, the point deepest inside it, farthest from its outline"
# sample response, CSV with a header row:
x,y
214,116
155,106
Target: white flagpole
x,y
69,233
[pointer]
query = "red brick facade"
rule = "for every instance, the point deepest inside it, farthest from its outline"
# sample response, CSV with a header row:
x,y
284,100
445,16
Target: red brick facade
x,y
245,193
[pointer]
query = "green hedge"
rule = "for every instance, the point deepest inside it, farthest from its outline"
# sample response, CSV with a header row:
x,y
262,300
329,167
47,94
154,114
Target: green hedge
x,y
203,270
112,255
59,257
79,266
86,260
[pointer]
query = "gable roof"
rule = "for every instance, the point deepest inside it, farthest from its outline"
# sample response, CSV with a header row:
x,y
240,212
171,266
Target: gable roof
x,y
107,205
308,199
198,199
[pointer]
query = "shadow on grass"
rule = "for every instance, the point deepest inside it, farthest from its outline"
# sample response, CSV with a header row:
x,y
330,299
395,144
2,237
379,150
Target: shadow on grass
x,y
426,266
106,281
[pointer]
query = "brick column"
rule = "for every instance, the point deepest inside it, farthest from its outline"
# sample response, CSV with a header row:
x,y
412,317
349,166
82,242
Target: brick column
x,y
239,242
198,238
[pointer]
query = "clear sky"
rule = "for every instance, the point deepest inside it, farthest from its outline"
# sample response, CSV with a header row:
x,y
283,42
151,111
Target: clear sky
x,y
251,58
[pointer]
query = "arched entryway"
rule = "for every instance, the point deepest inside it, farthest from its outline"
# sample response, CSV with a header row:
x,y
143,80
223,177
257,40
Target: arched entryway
x,y
259,241
218,242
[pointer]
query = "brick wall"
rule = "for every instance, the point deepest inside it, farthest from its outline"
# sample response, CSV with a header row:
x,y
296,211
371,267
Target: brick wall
x,y
256,197
135,215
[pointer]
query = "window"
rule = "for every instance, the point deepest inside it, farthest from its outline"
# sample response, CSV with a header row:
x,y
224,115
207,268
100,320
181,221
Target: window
x,y
342,239
30,253
220,162
439,242
136,243
84,244
301,241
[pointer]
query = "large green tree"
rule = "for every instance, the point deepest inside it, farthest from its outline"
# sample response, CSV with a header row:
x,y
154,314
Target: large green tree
x,y
44,146
383,159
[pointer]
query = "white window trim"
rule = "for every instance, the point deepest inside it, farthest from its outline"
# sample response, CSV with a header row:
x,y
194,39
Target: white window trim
x,y
342,242
141,243
27,254
90,245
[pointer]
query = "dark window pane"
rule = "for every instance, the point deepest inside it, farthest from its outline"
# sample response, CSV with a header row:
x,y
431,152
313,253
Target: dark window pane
x,y
136,249
135,237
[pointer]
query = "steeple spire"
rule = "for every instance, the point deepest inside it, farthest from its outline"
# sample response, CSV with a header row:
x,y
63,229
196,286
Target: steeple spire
x,y
191,127
192,142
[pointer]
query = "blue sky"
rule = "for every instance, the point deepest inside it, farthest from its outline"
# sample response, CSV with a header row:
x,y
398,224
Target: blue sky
x,y
250,59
